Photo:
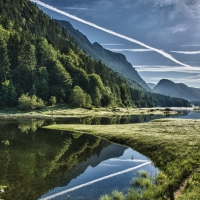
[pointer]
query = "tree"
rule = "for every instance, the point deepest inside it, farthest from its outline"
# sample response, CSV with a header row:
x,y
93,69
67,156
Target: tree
x,y
88,101
41,83
78,97
95,80
13,45
8,95
125,95
60,81
25,73
45,52
107,98
4,61
96,97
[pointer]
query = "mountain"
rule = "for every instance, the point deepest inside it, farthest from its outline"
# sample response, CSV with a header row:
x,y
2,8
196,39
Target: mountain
x,y
151,85
107,152
178,90
41,64
196,90
116,61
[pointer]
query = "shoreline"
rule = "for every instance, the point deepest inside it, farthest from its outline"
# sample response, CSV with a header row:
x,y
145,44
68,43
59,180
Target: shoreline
x,y
63,112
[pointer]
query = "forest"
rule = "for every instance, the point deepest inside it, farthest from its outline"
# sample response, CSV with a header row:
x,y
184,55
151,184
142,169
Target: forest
x,y
41,64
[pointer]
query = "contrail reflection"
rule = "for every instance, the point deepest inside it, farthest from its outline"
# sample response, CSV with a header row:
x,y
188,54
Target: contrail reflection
x,y
94,181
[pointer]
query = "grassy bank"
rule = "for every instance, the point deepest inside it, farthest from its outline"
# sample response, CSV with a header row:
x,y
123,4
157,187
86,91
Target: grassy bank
x,y
173,146
66,111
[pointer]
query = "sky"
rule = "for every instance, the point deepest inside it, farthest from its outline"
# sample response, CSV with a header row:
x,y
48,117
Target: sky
x,y
160,38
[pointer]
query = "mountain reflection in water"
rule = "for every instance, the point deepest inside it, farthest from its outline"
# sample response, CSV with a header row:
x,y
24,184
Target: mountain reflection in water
x,y
35,161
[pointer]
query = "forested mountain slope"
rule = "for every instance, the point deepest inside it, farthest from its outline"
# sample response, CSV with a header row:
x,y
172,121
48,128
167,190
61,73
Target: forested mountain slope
x,y
40,62
116,61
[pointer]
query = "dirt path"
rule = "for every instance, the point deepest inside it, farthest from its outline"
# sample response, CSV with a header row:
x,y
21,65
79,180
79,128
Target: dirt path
x,y
182,187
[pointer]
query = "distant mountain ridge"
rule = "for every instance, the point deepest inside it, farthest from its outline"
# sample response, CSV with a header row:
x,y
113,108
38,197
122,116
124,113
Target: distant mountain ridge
x,y
116,61
179,90
151,85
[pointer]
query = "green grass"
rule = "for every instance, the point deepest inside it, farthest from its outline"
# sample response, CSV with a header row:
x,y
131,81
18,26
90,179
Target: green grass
x,y
143,174
192,188
172,145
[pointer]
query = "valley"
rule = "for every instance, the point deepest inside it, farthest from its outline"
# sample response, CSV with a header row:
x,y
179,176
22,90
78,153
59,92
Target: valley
x,y
77,118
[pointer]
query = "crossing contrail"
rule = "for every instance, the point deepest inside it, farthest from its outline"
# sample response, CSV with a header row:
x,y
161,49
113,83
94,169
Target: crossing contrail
x,y
110,32
94,181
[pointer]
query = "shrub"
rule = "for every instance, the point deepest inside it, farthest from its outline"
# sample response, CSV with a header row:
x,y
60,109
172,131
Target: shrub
x,y
117,195
52,100
143,174
25,102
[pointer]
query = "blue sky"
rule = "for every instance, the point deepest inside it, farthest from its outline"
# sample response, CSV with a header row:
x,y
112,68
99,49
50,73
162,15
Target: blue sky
x,y
171,28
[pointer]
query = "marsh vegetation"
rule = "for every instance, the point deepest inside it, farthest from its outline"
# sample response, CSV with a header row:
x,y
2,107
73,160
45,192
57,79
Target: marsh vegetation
x,y
172,145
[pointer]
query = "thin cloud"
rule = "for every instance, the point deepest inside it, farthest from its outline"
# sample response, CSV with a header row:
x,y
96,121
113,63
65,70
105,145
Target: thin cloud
x,y
111,44
194,77
74,8
156,68
190,45
186,52
179,28
110,32
132,50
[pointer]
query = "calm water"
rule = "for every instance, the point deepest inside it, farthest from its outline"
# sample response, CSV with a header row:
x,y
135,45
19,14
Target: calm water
x,y
49,164
114,168
40,164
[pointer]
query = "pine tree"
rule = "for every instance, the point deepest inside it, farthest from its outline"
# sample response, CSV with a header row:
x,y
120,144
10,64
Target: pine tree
x,y
25,72
4,62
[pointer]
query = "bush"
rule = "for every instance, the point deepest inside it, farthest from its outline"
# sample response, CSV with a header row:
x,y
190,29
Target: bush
x,y
89,107
117,195
52,100
106,197
25,102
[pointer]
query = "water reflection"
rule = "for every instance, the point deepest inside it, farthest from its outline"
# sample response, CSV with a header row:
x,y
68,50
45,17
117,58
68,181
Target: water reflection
x,y
30,125
43,160
105,176
34,163
126,119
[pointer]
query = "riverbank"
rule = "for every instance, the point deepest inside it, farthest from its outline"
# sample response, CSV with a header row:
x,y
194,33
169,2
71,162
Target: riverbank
x,y
66,112
173,145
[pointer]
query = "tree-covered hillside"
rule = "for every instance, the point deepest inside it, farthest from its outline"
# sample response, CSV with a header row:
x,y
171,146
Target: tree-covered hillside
x,y
116,61
40,62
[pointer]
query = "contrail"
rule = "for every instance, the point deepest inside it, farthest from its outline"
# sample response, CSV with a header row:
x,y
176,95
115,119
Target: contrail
x,y
94,181
187,52
132,50
109,31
